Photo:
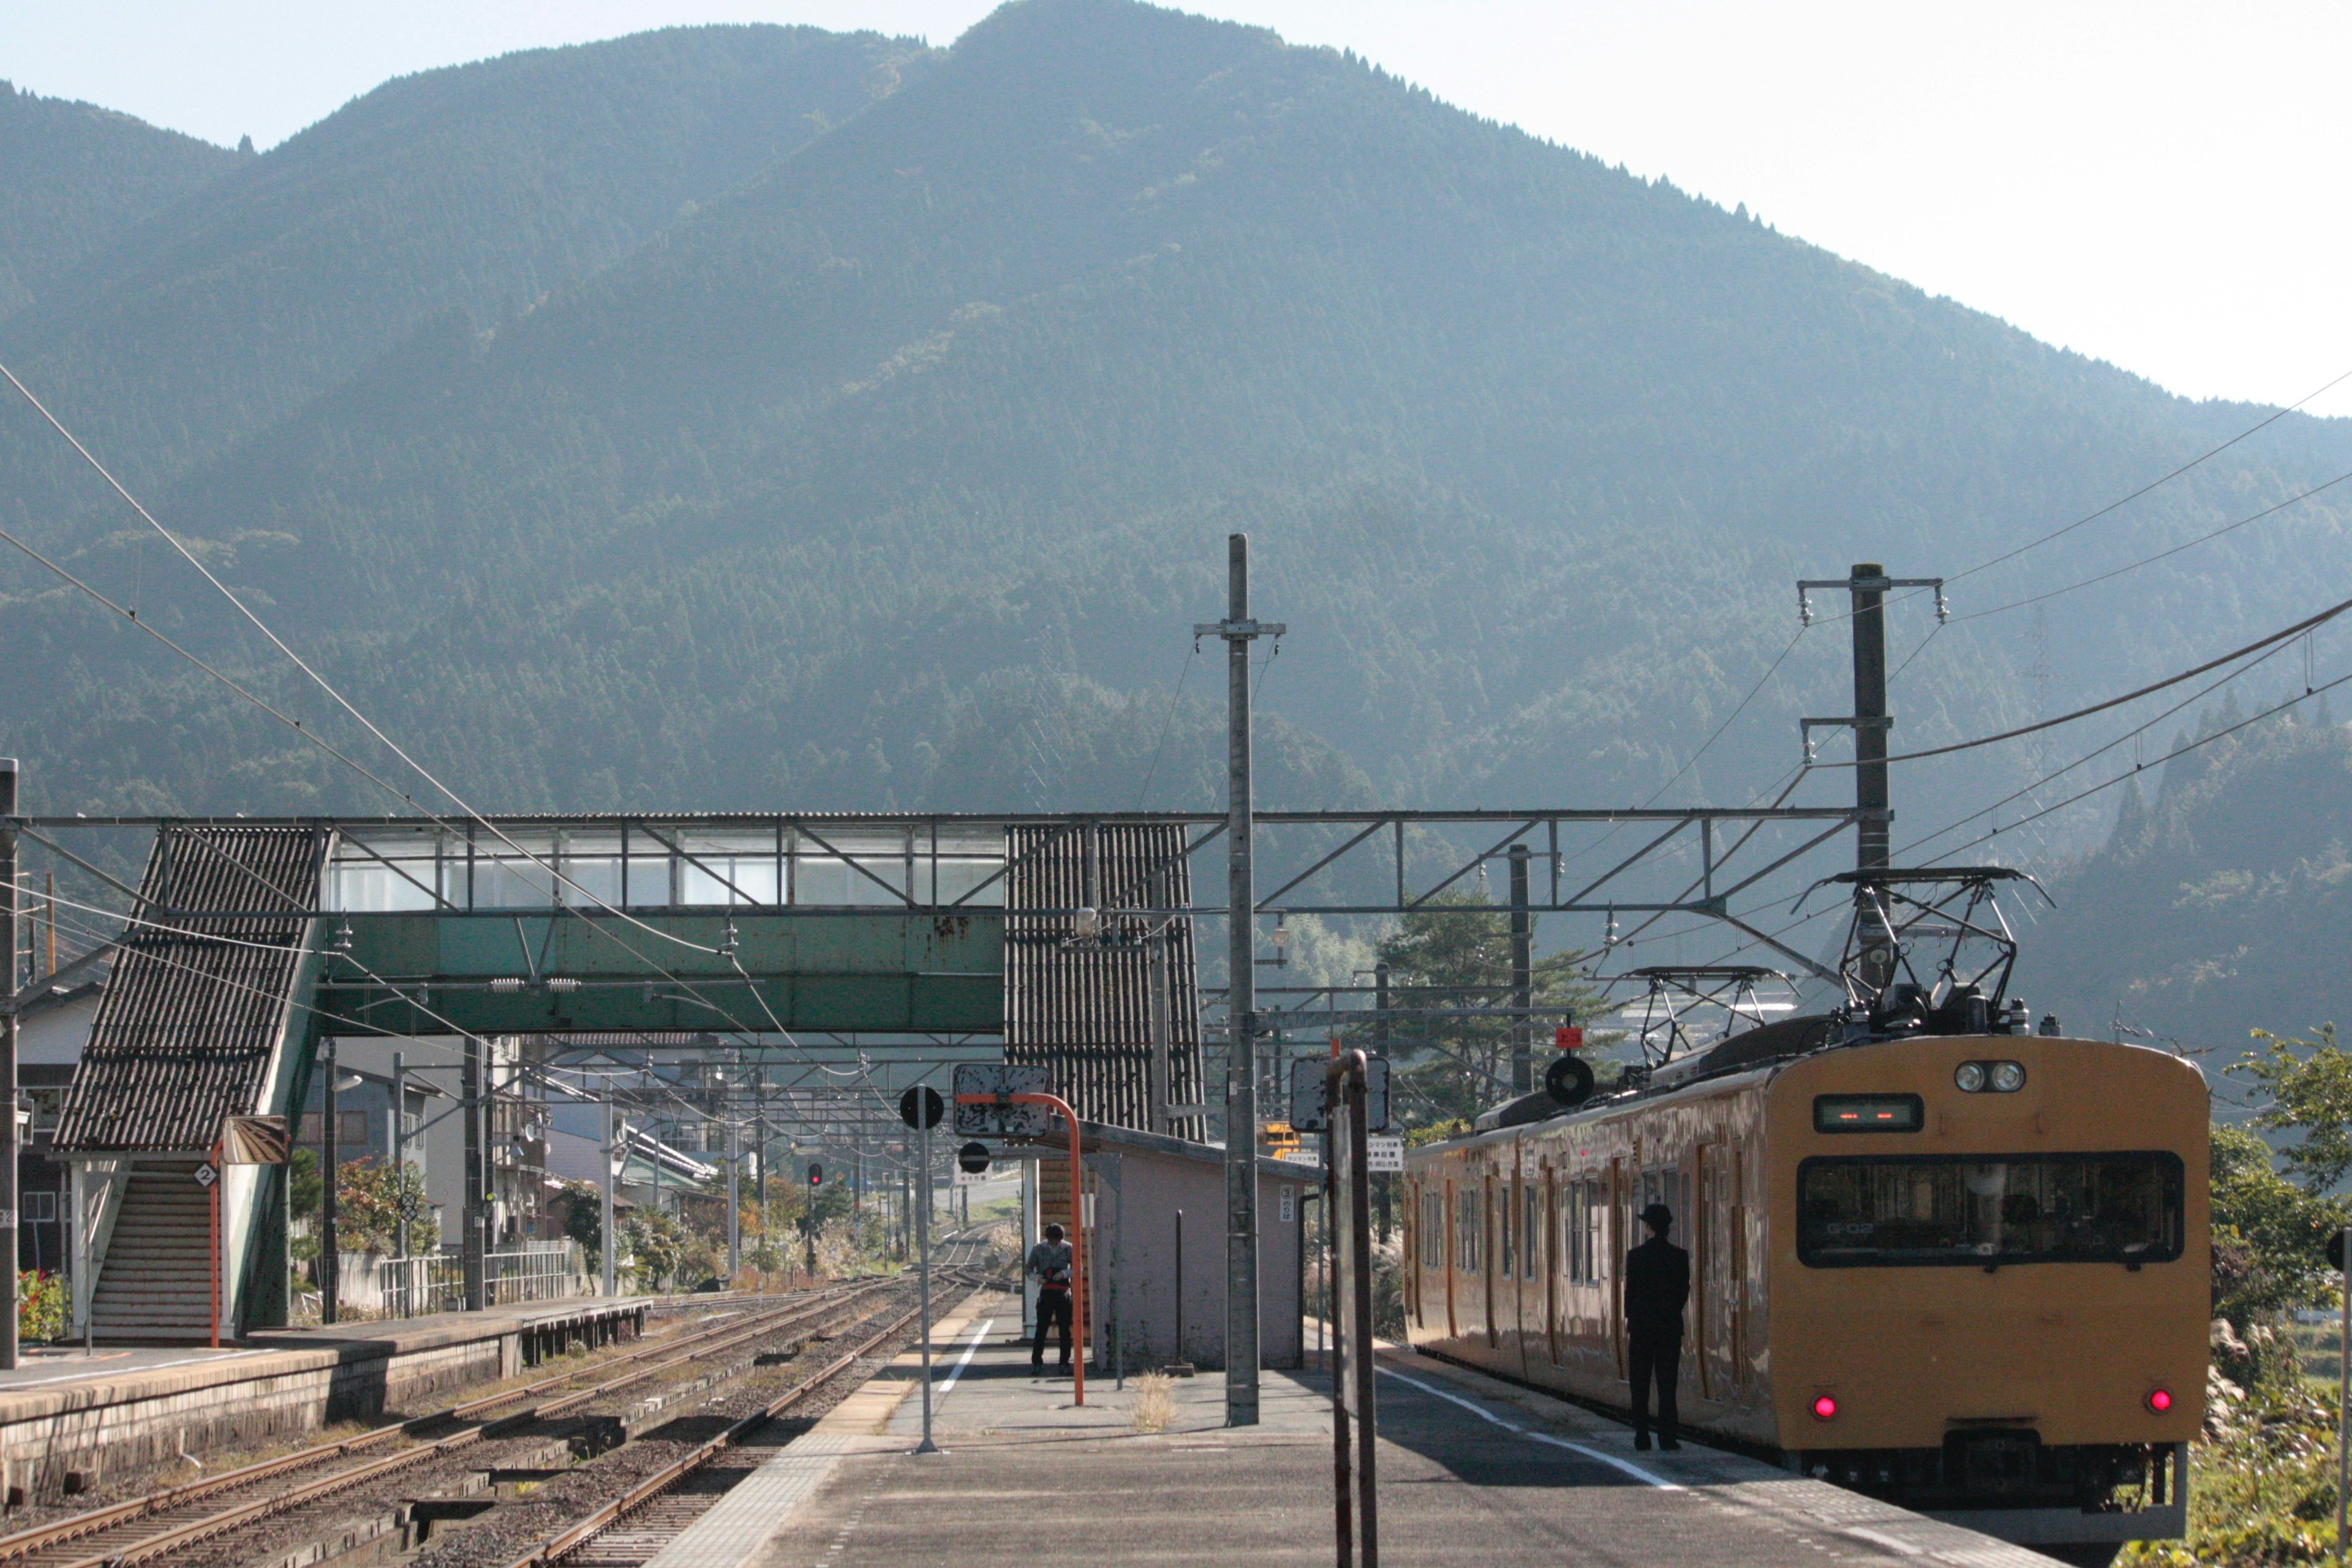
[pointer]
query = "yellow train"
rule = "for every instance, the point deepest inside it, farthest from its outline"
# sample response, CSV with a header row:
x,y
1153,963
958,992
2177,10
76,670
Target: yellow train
x,y
1969,1272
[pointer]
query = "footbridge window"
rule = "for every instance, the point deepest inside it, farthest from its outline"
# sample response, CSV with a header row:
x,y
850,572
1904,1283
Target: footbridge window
x,y
657,866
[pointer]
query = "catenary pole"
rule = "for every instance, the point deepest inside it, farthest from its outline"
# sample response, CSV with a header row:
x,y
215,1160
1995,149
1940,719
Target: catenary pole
x,y
1523,925
1239,631
1870,726
331,1257
734,1199
607,1242
9,1136
470,1085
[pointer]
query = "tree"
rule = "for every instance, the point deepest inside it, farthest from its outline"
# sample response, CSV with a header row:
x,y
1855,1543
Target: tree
x,y
580,1205
370,1199
1455,953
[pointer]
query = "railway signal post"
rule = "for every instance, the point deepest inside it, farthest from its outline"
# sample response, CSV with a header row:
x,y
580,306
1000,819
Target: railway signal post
x,y
920,1108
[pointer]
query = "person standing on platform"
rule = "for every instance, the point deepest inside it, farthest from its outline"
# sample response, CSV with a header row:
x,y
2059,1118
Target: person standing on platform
x,y
1049,1261
1657,1288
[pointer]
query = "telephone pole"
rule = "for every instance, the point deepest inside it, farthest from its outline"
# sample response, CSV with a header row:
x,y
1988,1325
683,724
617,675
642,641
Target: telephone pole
x,y
1239,631
1867,584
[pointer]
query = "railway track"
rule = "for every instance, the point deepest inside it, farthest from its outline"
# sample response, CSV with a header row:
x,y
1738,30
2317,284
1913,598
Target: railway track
x,y
161,1525
631,1530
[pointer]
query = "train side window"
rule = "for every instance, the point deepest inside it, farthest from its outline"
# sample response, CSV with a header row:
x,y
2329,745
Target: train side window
x,y
1465,1230
1596,1233
1530,1232
1433,1231
1503,1239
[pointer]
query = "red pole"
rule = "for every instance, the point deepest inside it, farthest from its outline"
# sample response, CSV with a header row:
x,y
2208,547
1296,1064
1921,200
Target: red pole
x,y
214,1195
1078,1224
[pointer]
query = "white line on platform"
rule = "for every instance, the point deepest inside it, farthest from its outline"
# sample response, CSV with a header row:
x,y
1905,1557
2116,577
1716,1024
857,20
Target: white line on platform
x,y
1649,1477
978,1334
125,1368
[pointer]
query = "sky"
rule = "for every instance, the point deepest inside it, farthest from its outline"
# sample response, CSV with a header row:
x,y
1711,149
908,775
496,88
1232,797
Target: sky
x,y
2159,185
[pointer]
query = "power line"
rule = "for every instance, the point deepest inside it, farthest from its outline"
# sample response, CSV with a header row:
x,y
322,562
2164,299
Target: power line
x,y
2260,643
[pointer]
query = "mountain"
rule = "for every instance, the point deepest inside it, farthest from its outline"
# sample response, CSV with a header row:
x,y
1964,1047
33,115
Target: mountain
x,y
896,473
480,189
2219,902
75,177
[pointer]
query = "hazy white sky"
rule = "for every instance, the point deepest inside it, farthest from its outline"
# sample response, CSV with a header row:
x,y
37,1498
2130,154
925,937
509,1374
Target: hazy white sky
x,y
2161,184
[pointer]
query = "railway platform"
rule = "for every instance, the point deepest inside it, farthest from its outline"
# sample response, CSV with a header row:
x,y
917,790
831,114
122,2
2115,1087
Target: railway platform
x,y
68,1417
1472,1471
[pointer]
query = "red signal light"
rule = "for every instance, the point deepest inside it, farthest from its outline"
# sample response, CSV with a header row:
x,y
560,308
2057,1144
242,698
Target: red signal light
x,y
2160,1400
1825,1408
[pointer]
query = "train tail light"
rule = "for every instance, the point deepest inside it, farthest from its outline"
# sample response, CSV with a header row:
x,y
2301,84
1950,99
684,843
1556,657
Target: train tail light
x,y
2160,1400
1825,1407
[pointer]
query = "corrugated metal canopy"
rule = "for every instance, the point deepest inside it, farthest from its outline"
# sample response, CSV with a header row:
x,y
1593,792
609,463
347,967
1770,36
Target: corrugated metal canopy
x,y
195,1008
1084,1009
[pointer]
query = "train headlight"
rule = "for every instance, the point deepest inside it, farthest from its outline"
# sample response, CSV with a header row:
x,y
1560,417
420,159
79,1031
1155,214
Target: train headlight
x,y
2160,1400
2007,1078
1971,1077
1825,1407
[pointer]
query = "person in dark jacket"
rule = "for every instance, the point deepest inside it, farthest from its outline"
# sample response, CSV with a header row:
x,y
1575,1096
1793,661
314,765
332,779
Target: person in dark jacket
x,y
1049,1261
1657,1288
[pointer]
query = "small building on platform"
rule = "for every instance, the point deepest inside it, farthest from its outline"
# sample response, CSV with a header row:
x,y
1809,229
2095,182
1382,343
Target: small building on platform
x,y
1156,1246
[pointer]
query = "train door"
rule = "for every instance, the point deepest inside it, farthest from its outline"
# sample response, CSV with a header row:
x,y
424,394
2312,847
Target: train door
x,y
1487,1275
1612,1287
1450,1254
1553,1258
1707,1253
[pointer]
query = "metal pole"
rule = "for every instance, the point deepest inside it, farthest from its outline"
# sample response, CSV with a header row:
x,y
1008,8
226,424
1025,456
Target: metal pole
x,y
1240,1055
9,1136
734,1201
330,1255
1179,1285
400,1162
608,1243
1360,1243
1523,925
2342,1396
923,1242
1868,584
470,1085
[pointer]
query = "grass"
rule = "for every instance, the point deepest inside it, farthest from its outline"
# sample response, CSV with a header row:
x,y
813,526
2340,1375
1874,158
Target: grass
x,y
1155,1402
2263,1483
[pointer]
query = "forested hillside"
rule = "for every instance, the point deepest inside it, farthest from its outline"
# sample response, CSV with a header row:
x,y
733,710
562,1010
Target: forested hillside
x,y
739,417
74,177
2223,901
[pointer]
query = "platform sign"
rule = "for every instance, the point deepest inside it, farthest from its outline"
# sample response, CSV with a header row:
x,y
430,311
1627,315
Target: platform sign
x,y
1308,1113
1003,1121
1383,1154
206,1175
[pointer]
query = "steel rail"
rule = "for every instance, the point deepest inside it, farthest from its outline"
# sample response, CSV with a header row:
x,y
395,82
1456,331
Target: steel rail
x,y
42,1538
571,1540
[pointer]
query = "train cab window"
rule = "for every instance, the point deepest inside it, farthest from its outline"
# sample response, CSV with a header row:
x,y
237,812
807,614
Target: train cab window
x,y
1532,1206
1433,1231
1465,1230
1880,1210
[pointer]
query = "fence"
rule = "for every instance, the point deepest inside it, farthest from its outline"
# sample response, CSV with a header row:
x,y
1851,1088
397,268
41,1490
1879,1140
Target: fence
x,y
436,1282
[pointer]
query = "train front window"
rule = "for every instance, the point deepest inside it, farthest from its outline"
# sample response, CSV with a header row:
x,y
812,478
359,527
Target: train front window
x,y
1988,1210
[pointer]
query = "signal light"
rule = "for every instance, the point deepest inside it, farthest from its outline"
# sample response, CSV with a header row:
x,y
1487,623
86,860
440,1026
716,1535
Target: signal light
x,y
1825,1408
2160,1400
816,1175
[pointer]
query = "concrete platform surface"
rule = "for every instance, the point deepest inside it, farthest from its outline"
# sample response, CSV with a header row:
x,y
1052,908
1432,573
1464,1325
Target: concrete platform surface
x,y
1472,1472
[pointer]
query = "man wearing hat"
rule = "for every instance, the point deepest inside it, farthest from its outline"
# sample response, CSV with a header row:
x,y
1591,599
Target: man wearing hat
x,y
1657,1286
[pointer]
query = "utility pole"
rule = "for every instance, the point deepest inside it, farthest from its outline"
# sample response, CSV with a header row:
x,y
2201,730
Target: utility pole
x,y
734,1199
1867,584
1239,631
469,1086
1523,925
331,1257
399,1155
608,1243
9,1131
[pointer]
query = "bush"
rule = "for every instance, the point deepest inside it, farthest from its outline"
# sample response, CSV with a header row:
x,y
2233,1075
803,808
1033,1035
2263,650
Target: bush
x,y
40,1306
